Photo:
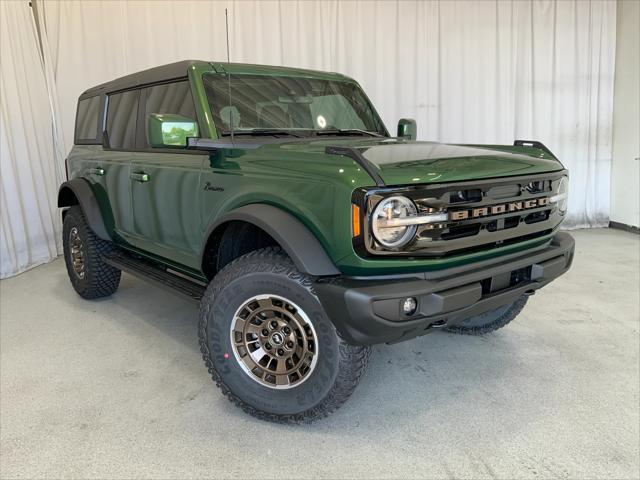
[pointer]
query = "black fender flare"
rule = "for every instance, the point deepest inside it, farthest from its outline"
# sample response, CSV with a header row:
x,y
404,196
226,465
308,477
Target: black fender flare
x,y
81,189
295,239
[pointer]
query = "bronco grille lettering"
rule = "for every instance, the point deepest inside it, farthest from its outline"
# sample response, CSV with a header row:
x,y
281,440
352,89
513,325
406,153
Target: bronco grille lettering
x,y
498,209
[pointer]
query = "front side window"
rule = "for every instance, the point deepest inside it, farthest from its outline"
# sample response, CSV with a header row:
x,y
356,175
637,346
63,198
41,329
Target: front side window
x,y
306,106
173,98
122,113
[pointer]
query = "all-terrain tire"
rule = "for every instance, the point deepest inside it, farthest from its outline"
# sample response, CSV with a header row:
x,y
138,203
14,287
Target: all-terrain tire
x,y
267,273
97,279
489,321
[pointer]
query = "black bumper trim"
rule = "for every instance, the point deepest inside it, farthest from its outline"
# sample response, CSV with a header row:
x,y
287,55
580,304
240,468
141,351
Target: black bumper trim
x,y
367,312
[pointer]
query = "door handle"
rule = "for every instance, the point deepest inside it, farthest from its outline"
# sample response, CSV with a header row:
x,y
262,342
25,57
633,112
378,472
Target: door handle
x,y
140,177
97,171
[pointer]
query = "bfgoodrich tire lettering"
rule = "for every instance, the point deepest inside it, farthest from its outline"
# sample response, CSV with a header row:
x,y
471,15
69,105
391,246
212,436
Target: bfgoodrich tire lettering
x,y
489,321
339,365
95,279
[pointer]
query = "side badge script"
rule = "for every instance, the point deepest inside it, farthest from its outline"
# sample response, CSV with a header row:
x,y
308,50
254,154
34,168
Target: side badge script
x,y
210,188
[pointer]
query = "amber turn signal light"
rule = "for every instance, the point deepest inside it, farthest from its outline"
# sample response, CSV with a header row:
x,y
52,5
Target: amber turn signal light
x,y
355,220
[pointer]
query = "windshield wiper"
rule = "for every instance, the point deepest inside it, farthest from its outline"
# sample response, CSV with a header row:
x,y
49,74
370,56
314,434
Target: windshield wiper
x,y
263,131
346,131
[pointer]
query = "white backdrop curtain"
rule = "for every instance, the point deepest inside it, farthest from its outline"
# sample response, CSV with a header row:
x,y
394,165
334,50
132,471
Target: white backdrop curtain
x,y
468,72
30,152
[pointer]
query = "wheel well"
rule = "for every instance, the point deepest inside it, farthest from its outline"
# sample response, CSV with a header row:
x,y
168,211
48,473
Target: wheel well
x,y
66,198
230,241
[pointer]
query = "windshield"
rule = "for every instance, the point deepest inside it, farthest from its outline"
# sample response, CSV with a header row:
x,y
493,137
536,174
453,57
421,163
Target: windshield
x,y
300,106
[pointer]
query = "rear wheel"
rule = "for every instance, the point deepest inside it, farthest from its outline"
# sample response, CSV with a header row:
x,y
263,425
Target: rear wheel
x,y
90,276
268,344
489,321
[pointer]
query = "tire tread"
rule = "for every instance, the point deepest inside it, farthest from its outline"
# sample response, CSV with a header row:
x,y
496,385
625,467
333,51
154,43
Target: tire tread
x,y
103,279
512,312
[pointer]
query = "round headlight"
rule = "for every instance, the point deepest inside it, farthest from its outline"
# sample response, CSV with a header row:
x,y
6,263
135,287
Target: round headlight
x,y
562,195
393,208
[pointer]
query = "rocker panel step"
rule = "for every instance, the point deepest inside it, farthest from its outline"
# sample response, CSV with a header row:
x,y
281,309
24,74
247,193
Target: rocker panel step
x,y
192,290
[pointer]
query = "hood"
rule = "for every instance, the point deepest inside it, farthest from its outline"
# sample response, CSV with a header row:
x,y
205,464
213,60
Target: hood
x,y
400,162
426,162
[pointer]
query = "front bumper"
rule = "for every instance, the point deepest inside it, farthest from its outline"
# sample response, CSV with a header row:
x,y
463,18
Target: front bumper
x,y
368,311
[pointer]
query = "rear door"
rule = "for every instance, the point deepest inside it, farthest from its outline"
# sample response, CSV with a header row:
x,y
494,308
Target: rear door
x,y
107,168
113,164
164,183
84,157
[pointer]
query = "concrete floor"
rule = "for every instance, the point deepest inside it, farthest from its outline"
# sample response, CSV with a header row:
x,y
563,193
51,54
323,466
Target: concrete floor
x,y
116,389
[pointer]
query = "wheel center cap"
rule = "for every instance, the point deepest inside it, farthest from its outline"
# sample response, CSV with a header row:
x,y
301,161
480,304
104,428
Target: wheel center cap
x,y
277,339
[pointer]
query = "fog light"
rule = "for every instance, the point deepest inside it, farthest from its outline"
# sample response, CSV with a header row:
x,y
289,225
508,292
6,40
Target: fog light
x,y
409,306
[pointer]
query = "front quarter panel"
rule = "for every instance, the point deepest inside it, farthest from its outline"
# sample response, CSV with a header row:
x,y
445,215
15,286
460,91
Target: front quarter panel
x,y
315,188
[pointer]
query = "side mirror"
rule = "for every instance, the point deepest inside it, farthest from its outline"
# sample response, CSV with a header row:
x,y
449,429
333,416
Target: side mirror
x,y
169,130
407,128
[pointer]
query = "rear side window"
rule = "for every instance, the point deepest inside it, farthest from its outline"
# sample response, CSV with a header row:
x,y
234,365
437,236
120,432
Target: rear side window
x,y
122,112
167,98
87,120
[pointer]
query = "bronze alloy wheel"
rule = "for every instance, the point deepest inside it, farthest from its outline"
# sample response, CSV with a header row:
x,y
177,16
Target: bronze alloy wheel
x,y
76,247
274,341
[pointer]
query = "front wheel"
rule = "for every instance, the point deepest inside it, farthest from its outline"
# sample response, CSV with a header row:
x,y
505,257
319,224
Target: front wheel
x,y
269,345
489,321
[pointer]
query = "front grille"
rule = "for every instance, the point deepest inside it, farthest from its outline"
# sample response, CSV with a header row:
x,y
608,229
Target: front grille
x,y
482,214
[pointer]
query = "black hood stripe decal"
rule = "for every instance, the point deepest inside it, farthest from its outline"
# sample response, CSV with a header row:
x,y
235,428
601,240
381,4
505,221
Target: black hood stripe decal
x,y
355,154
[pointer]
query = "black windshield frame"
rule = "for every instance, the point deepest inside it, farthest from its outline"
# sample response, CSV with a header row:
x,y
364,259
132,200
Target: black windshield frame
x,y
246,98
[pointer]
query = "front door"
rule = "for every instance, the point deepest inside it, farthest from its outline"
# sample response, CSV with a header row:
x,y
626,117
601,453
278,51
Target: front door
x,y
164,182
164,197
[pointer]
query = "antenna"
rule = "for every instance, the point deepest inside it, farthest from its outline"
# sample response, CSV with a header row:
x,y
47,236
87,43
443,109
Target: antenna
x,y
226,23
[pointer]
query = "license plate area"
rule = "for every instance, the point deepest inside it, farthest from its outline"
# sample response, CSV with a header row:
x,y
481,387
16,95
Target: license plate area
x,y
506,280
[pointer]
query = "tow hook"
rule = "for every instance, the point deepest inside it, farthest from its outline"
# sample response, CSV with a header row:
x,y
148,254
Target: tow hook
x,y
438,324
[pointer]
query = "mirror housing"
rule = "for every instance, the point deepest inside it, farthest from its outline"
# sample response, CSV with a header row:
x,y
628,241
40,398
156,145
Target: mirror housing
x,y
167,130
407,128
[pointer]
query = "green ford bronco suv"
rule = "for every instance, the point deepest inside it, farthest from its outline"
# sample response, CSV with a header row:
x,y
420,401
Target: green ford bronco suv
x,y
276,198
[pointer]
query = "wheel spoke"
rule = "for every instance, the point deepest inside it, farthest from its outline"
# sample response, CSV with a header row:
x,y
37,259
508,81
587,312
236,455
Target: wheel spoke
x,y
239,324
249,363
251,328
282,380
258,355
264,303
281,368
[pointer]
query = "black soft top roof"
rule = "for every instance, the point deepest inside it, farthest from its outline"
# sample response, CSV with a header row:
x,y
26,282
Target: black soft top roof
x,y
177,70
162,73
